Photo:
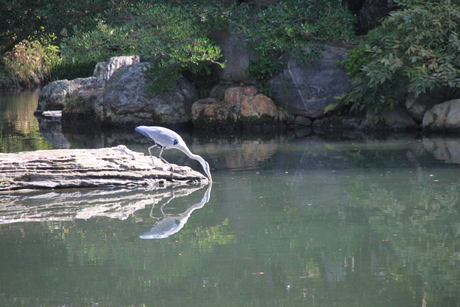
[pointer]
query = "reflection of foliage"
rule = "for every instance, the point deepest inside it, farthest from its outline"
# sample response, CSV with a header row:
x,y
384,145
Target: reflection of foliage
x,y
420,220
19,129
204,239
395,232
14,141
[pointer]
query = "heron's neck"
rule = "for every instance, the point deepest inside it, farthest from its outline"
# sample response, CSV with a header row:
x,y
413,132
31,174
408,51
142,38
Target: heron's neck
x,y
191,155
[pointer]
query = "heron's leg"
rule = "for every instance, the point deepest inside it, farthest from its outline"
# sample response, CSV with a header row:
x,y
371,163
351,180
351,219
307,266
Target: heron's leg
x,y
153,163
162,206
164,160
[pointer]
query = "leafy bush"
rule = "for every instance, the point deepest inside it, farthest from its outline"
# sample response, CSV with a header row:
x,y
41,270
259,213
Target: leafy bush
x,y
71,69
296,27
357,58
169,36
414,50
29,60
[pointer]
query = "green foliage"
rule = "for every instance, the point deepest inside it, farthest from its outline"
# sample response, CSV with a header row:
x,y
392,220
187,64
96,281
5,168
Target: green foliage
x,y
35,29
175,43
414,50
71,68
168,35
264,68
293,27
29,60
357,58
32,20
98,44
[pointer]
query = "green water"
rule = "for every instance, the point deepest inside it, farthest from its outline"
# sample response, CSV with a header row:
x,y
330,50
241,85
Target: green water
x,y
288,221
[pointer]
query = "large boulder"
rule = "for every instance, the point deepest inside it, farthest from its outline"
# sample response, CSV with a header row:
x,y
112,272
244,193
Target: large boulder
x,y
444,116
372,12
81,107
308,89
236,57
105,70
240,107
417,105
128,100
57,94
395,119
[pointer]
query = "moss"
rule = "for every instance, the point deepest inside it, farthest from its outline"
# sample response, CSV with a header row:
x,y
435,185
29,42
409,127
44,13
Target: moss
x,y
207,122
258,120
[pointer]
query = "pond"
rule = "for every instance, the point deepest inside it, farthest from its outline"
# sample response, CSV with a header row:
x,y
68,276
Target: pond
x,y
291,219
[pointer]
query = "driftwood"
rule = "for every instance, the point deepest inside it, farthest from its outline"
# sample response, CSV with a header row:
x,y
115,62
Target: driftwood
x,y
78,168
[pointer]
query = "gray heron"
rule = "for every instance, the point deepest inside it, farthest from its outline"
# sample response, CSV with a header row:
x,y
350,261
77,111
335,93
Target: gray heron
x,y
166,138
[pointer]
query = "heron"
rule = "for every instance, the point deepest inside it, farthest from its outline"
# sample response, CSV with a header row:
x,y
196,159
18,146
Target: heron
x,y
165,138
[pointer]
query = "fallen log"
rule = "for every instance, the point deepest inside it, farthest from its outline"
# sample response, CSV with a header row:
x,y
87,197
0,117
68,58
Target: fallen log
x,y
78,168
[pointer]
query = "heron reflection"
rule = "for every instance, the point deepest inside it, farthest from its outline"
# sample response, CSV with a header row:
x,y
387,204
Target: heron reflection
x,y
170,224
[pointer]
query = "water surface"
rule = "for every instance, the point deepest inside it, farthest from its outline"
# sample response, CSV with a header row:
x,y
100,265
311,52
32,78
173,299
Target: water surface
x,y
289,221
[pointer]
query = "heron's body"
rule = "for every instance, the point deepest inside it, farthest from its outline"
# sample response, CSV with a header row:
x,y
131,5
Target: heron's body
x,y
165,139
162,137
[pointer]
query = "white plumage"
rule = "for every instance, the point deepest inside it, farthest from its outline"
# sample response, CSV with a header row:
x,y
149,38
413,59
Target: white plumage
x,y
165,139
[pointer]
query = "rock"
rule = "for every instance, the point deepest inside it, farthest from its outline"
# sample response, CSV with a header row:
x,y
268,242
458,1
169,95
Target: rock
x,y
373,11
76,168
241,106
302,121
444,116
307,90
128,100
399,119
235,56
256,106
417,105
55,95
104,70
52,115
82,105
396,119
335,125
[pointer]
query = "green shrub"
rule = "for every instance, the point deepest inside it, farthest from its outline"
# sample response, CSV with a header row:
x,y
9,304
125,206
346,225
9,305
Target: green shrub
x,y
292,27
29,60
169,36
357,58
71,68
414,50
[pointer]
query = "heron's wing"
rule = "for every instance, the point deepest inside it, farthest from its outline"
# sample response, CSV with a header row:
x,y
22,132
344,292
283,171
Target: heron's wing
x,y
144,133
163,137
168,138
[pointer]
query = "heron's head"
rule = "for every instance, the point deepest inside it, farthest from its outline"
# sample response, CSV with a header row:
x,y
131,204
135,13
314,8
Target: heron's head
x,y
204,164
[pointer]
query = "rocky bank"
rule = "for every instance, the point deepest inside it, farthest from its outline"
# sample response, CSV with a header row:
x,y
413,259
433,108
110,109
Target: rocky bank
x,y
306,95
